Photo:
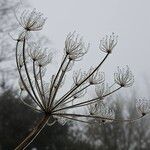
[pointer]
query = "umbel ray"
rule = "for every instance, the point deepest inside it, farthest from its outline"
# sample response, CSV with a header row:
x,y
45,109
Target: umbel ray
x,y
32,61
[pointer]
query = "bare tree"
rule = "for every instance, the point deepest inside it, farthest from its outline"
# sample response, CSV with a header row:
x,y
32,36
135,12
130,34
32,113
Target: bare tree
x,y
7,24
32,61
119,136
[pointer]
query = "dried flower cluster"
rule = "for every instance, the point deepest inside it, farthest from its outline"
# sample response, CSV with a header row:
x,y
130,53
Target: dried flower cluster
x,y
143,106
124,77
31,20
75,47
102,110
108,43
32,61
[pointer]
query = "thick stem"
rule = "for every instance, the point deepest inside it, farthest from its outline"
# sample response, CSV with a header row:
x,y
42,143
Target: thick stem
x,y
33,134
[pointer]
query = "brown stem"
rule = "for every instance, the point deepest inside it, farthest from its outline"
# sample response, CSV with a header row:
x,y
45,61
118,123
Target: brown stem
x,y
33,134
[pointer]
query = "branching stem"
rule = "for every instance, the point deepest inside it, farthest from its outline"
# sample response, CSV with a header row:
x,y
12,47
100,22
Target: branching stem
x,y
33,134
75,87
87,102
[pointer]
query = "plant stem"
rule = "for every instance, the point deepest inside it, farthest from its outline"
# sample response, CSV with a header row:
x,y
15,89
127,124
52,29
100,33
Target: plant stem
x,y
33,134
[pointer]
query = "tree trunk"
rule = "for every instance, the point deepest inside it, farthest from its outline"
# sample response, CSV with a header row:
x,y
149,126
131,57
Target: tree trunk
x,y
32,135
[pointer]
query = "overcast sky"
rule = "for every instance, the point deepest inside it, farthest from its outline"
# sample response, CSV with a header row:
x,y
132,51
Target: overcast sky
x,y
93,19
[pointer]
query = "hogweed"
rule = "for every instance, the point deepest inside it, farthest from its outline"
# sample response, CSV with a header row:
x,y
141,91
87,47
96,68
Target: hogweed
x,y
108,43
143,106
32,62
124,77
31,20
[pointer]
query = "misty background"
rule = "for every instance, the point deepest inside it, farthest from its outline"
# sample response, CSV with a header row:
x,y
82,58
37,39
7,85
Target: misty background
x,y
129,19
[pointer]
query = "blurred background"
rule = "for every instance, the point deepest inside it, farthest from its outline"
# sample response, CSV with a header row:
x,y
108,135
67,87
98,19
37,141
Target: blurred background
x,y
92,19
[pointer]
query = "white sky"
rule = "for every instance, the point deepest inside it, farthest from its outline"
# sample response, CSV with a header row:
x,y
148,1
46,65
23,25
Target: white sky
x,y
130,19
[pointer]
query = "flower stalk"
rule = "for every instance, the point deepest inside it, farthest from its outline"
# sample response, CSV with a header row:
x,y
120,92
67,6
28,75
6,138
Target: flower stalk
x,y
34,133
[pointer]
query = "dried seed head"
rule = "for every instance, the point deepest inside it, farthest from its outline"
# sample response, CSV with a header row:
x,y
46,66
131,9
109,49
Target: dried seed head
x,y
78,77
75,47
47,59
108,43
124,77
102,110
40,55
143,106
102,90
96,78
35,51
31,20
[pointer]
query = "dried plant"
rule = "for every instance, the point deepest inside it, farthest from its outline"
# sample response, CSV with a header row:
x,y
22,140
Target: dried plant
x,y
32,61
143,106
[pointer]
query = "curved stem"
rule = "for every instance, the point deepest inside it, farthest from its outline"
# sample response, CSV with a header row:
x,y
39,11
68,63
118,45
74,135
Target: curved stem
x,y
28,76
33,134
21,78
